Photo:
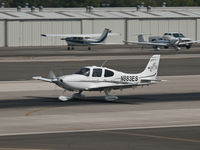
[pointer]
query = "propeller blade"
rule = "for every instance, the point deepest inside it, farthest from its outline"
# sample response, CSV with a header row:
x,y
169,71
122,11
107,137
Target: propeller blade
x,y
52,75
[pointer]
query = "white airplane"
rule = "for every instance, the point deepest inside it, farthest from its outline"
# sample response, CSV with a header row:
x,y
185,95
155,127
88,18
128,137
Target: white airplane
x,y
93,78
175,40
83,39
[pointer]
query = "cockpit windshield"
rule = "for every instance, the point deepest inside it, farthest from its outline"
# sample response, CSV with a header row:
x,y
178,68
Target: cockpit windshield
x,y
178,35
83,71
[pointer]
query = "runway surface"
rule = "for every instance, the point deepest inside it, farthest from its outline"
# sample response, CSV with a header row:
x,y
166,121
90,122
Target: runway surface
x,y
32,117
182,138
169,66
33,107
112,50
162,116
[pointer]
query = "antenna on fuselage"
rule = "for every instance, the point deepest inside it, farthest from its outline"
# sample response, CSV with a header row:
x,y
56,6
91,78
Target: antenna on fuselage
x,y
104,63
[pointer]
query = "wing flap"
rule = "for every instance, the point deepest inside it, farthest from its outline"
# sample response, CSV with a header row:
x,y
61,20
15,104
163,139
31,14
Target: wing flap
x,y
119,86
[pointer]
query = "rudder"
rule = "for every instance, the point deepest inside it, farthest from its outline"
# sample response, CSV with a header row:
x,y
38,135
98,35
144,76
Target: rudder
x,y
151,69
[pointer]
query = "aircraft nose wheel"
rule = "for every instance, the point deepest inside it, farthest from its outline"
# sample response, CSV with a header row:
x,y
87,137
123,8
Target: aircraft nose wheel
x,y
64,98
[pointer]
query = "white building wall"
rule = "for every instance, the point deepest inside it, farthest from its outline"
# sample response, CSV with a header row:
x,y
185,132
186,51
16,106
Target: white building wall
x,y
198,29
27,33
14,33
134,27
191,29
2,33
157,27
116,25
87,26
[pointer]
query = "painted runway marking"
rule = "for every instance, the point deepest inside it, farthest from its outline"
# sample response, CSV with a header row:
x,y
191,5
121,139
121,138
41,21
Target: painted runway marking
x,y
153,136
21,149
29,113
96,130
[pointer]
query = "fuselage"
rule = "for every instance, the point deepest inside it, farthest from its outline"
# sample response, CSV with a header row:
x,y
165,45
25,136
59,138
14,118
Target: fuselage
x,y
175,40
79,41
96,77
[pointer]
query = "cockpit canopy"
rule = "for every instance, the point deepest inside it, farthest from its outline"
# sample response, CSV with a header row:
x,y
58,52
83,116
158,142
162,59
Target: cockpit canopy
x,y
95,72
83,71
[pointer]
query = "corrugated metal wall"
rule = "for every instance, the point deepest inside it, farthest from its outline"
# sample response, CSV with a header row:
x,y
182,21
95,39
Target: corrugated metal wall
x,y
158,27
2,33
27,33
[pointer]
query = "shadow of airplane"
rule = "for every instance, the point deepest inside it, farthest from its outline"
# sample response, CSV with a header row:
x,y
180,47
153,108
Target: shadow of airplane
x,y
32,101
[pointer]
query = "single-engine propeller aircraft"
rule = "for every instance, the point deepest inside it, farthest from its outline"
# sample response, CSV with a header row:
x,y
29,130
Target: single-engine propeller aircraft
x,y
175,40
83,39
93,78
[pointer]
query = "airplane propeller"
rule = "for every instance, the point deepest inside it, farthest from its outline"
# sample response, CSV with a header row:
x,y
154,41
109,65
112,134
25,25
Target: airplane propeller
x,y
51,75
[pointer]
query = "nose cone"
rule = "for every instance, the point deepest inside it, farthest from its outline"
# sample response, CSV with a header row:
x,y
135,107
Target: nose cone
x,y
70,78
71,82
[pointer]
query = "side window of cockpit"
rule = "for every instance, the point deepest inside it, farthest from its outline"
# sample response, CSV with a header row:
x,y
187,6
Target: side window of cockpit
x,y
83,71
97,72
108,73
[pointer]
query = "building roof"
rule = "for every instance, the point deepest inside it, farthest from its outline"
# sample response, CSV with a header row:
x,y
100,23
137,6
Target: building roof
x,y
99,13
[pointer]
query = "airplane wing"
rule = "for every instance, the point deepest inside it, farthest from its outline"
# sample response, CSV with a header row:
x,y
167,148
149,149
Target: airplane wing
x,y
77,35
104,43
190,42
117,86
146,43
123,85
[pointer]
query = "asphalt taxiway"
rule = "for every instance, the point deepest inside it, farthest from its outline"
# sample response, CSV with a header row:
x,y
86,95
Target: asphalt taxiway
x,y
162,116
24,69
181,138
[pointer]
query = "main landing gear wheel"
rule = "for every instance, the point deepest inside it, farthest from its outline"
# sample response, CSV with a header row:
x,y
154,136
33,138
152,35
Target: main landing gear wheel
x,y
78,95
110,97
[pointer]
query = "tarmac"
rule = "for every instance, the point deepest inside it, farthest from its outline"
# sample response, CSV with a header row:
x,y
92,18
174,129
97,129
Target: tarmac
x,y
161,116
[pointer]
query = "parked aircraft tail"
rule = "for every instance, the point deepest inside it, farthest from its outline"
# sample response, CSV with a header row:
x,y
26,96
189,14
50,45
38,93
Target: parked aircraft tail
x,y
141,38
104,35
151,69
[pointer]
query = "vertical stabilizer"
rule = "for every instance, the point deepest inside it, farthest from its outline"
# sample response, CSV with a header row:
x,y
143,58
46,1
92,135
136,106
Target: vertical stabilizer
x,y
103,36
151,69
141,38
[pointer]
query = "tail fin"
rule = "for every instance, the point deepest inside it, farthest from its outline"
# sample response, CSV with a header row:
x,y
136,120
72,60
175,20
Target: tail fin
x,y
104,35
141,38
151,69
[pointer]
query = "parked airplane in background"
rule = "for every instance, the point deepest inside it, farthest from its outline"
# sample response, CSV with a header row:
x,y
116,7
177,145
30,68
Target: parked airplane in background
x,y
175,40
83,39
93,78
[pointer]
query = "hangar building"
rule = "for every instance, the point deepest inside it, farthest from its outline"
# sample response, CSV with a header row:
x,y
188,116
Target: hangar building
x,y
23,26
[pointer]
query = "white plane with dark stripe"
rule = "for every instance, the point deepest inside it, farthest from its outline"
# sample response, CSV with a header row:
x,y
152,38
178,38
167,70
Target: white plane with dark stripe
x,y
83,39
93,78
